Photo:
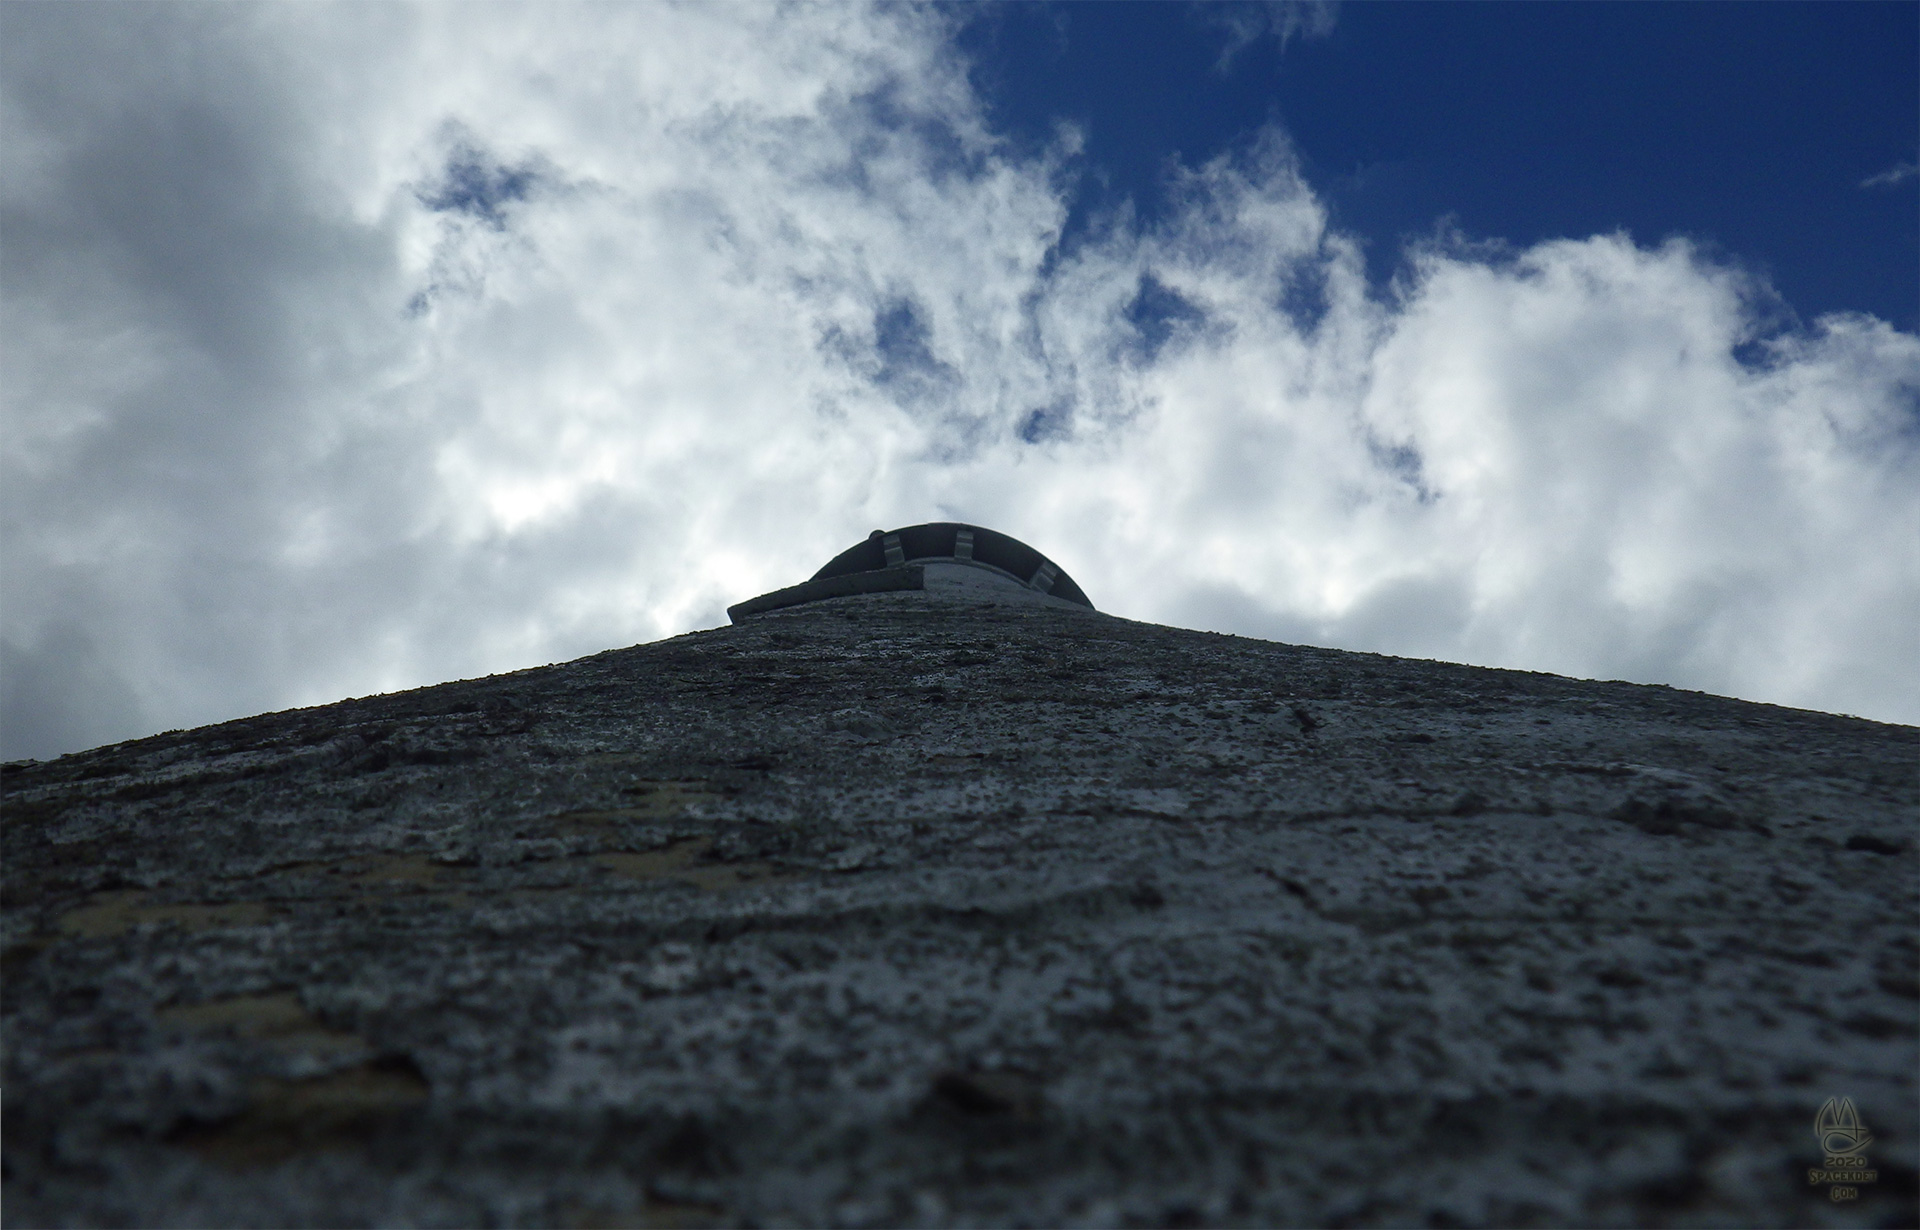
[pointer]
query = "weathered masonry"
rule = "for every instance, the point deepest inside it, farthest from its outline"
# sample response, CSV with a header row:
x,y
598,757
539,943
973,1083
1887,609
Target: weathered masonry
x,y
965,904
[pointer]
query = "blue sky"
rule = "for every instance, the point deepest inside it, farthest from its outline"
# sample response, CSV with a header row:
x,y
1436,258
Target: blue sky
x,y
1748,127
358,347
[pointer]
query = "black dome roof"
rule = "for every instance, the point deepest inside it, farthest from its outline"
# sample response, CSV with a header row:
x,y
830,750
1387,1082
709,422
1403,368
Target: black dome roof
x,y
899,560
941,542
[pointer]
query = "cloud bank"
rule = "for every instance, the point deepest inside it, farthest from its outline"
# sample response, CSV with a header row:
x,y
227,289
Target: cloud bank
x,y
354,348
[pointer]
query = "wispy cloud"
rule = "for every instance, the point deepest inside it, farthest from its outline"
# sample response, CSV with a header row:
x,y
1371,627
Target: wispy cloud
x,y
1898,173
356,348
1247,23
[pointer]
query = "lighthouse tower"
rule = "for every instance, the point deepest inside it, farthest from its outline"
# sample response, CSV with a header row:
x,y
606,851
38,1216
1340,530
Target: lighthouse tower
x,y
924,893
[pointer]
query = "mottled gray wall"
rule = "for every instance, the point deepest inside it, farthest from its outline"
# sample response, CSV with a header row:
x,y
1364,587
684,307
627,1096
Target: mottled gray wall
x,y
894,911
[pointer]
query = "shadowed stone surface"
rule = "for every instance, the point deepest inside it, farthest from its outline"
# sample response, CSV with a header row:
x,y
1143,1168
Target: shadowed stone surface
x,y
896,909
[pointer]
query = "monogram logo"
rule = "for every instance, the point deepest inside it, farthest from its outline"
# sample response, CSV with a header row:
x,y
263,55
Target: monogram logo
x,y
1839,1128
1843,1141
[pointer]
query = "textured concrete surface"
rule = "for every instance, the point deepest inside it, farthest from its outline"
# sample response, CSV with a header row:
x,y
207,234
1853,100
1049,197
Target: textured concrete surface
x,y
900,910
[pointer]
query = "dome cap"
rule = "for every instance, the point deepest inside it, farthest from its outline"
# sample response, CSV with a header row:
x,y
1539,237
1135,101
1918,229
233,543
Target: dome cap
x,y
948,557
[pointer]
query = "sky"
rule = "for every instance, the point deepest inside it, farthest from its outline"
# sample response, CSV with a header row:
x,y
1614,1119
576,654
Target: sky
x,y
355,347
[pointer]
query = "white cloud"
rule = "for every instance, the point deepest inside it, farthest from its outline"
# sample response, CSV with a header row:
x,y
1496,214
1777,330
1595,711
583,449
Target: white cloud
x,y
1898,173
711,291
1281,20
